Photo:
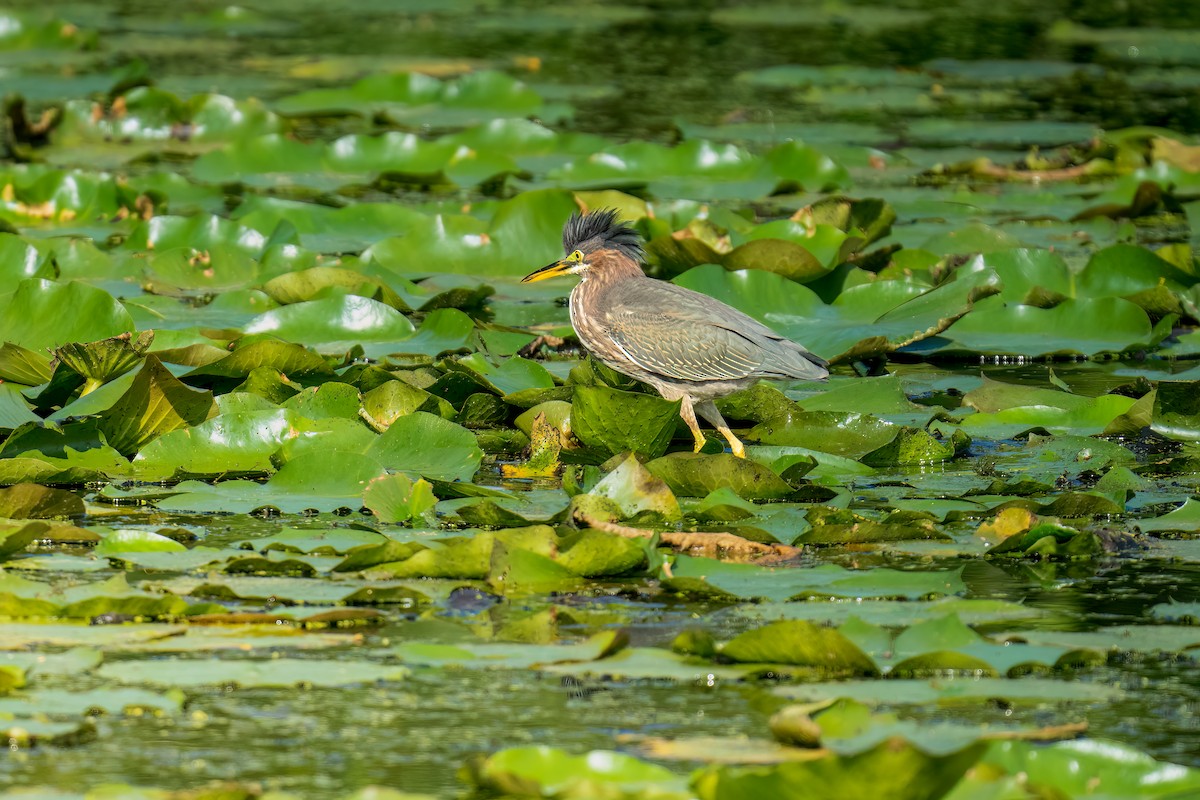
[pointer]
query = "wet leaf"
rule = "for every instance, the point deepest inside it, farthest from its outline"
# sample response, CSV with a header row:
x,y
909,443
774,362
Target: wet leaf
x,y
396,498
543,771
429,446
99,362
697,475
336,324
325,482
801,644
155,403
31,315
636,493
30,501
828,580
1177,410
898,767
273,673
614,421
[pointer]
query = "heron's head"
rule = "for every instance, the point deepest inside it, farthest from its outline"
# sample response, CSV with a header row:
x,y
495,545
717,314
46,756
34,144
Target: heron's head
x,y
593,240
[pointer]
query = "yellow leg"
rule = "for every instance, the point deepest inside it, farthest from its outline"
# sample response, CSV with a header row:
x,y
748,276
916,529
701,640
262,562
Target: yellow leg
x,y
689,417
735,444
708,410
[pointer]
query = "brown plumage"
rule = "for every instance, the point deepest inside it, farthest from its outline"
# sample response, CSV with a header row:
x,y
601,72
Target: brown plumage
x,y
687,345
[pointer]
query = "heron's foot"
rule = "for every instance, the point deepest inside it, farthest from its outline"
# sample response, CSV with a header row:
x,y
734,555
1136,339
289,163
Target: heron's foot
x,y
735,444
700,442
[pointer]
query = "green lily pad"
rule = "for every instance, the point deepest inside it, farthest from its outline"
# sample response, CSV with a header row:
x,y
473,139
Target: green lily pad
x,y
32,319
955,691
543,771
429,446
841,433
1184,518
325,482
335,324
273,673
802,644
99,362
1177,410
898,767
396,498
634,491
226,444
615,421
697,475
1101,767
155,403
827,580
413,97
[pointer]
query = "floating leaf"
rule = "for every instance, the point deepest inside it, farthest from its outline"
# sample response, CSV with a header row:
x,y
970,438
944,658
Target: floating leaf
x,y
697,475
802,644
1177,410
430,446
616,422
31,316
547,772
396,498
30,501
99,362
277,673
155,403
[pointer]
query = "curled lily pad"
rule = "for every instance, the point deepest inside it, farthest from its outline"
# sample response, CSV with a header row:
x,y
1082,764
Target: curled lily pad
x,y
22,365
396,498
14,539
155,403
635,491
791,260
914,446
1176,410
14,410
99,362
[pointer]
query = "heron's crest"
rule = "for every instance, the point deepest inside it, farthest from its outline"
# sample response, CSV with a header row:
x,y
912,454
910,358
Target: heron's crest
x,y
600,229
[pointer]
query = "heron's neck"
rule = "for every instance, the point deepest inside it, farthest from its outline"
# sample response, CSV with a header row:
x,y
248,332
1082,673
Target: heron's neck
x,y
588,298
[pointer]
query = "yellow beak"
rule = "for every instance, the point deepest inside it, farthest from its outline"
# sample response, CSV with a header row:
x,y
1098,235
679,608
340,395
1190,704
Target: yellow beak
x,y
560,267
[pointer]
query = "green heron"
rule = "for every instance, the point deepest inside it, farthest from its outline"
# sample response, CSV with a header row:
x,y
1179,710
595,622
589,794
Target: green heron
x,y
687,345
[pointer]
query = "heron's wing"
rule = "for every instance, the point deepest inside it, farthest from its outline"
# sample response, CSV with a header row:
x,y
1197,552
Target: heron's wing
x,y
685,335
690,350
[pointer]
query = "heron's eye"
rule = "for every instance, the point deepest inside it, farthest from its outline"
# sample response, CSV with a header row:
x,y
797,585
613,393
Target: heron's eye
x,y
576,257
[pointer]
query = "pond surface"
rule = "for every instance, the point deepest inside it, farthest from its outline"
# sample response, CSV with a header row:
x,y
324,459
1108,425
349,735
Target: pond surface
x,y
1029,273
